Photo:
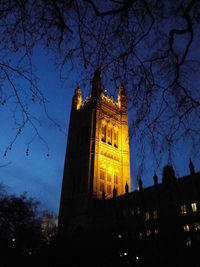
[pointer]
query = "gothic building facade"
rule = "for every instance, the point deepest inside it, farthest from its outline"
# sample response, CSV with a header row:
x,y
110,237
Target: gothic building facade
x,y
97,158
103,221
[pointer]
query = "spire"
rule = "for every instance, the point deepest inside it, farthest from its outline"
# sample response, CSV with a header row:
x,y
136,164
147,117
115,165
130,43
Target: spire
x,y
77,98
96,83
140,184
122,89
191,166
122,98
155,179
126,188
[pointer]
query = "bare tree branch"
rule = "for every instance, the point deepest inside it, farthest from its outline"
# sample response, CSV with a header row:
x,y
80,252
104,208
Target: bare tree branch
x,y
149,45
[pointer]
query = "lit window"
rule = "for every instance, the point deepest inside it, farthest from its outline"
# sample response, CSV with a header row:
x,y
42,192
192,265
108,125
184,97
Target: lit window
x,y
194,207
156,231
109,176
101,187
109,136
148,232
115,138
102,174
109,189
197,226
155,214
186,228
138,210
103,133
147,216
183,209
115,178
188,241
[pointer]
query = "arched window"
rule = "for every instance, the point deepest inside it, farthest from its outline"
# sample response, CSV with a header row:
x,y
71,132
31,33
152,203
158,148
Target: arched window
x,y
109,183
102,179
102,174
109,177
116,178
102,187
109,135
103,132
108,189
116,137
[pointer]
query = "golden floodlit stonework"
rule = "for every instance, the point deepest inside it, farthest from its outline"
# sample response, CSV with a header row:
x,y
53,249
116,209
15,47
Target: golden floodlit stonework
x,y
111,163
97,163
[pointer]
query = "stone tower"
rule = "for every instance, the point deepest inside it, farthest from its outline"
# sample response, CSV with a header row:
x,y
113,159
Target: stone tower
x,y
97,156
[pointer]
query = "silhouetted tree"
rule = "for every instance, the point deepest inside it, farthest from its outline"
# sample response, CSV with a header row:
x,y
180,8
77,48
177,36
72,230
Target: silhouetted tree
x,y
150,45
20,230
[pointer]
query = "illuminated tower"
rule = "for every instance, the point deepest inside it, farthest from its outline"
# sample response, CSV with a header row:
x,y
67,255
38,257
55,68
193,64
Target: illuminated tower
x,y
97,156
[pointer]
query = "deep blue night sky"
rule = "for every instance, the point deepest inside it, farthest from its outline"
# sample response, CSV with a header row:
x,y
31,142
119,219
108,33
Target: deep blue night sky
x,y
41,176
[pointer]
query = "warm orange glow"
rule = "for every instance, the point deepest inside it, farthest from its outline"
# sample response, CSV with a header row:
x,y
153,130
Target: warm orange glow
x,y
112,162
186,228
78,97
79,100
194,207
119,101
183,209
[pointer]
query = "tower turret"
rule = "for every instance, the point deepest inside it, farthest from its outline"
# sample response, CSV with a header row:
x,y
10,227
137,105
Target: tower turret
x,y
126,188
122,98
140,184
97,155
168,175
191,166
96,84
155,179
77,98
